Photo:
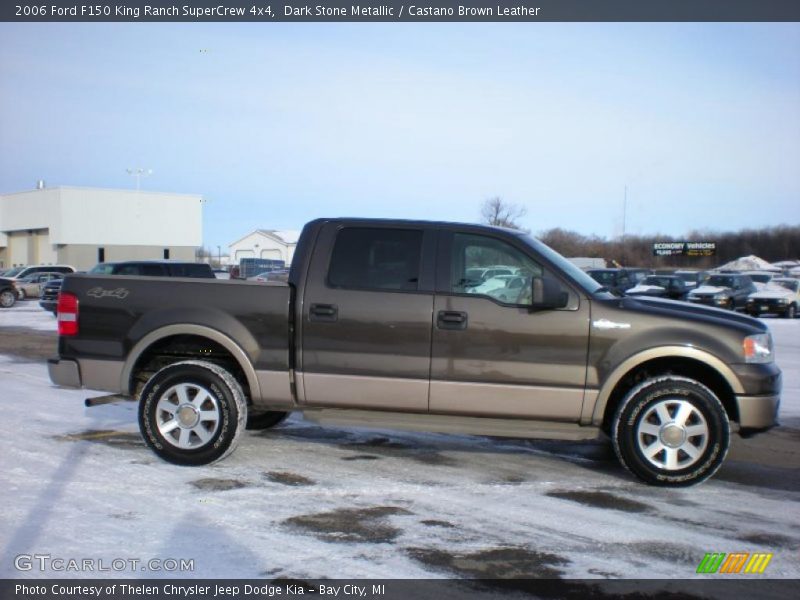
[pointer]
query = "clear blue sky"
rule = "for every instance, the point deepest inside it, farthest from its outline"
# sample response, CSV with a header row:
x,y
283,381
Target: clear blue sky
x,y
275,124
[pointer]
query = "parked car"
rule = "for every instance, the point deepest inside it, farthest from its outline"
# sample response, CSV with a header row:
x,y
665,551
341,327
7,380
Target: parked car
x,y
8,293
221,274
155,268
780,297
368,331
760,278
618,281
691,278
660,286
505,288
49,297
276,275
723,290
32,285
476,276
20,272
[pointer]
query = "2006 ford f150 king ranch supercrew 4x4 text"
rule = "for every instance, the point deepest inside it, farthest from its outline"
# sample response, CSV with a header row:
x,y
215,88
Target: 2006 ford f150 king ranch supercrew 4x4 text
x,y
392,324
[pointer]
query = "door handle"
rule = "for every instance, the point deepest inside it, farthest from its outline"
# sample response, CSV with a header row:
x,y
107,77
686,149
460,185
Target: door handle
x,y
451,319
323,312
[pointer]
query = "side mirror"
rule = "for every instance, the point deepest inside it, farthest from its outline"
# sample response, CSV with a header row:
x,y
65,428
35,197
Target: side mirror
x,y
546,292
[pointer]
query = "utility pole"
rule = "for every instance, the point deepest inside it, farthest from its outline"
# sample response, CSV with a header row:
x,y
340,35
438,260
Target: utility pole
x,y
138,173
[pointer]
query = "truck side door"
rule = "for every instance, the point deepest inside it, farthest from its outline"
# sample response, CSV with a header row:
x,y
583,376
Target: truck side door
x,y
366,317
499,357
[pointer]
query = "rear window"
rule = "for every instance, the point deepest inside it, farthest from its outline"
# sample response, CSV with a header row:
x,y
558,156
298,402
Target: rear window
x,y
376,259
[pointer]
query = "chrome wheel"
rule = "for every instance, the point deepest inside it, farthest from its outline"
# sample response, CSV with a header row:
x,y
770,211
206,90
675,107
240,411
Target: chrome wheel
x,y
672,434
7,299
187,416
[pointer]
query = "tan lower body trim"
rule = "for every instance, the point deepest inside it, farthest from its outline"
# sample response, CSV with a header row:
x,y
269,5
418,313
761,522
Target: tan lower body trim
x,y
483,399
351,391
276,389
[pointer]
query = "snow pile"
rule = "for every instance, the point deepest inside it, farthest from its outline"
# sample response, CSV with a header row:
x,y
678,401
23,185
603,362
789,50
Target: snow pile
x,y
749,263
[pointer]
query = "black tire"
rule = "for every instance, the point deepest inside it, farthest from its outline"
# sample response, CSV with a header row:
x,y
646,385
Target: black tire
x,y
196,388
732,305
7,299
791,312
694,437
265,419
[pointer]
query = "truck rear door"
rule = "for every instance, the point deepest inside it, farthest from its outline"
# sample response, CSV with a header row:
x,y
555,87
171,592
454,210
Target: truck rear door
x,y
366,317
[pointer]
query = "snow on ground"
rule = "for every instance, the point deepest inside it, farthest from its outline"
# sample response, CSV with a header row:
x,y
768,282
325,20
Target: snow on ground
x,y
27,313
304,501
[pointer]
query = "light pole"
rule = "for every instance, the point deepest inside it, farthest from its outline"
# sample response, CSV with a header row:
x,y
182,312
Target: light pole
x,y
219,257
138,173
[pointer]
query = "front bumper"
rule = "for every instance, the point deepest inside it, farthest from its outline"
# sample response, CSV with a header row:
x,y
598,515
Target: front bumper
x,y
757,413
759,307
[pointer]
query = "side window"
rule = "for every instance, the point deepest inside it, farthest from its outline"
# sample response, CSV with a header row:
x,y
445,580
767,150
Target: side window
x,y
376,259
152,270
472,254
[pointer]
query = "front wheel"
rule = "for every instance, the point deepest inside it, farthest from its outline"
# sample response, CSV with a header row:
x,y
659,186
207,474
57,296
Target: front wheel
x,y
791,312
7,299
671,430
192,413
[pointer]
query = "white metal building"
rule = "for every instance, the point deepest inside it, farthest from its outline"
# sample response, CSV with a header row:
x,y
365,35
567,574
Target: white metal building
x,y
83,226
265,243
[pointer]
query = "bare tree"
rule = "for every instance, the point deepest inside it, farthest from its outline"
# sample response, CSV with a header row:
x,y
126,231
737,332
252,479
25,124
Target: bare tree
x,y
496,211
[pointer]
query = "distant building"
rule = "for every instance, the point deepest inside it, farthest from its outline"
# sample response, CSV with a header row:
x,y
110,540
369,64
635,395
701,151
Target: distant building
x,y
265,243
83,226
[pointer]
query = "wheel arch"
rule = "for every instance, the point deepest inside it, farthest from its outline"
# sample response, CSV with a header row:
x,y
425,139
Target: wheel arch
x,y
678,360
149,341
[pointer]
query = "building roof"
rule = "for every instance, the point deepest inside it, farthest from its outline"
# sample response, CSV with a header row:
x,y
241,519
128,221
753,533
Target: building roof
x,y
286,236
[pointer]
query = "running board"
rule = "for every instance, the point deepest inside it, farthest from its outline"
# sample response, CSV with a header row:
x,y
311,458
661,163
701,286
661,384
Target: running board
x,y
515,428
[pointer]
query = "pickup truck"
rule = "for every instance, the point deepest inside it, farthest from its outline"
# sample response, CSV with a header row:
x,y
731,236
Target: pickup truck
x,y
380,325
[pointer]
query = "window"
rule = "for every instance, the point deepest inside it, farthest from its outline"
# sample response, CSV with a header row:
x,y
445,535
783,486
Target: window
x,y
376,259
491,267
166,253
101,255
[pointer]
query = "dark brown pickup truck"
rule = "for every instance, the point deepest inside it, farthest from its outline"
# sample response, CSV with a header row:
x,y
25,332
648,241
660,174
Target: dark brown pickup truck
x,y
429,326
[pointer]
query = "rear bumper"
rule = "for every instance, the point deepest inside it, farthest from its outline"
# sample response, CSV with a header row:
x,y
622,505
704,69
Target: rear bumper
x,y
64,373
86,373
757,413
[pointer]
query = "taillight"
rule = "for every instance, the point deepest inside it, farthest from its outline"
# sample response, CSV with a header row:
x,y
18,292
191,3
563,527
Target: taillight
x,y
67,309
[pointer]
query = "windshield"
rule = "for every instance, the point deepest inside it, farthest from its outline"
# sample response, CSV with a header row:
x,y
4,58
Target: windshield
x,y
659,281
102,269
760,277
789,284
13,272
580,277
720,281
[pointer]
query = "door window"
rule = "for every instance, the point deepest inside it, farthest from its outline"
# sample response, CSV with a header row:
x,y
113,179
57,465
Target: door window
x,y
376,259
509,270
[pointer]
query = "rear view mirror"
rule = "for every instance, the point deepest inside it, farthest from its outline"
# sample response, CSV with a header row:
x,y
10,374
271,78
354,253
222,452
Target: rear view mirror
x,y
547,292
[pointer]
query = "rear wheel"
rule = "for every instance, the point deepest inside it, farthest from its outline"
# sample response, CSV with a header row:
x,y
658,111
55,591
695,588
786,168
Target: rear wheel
x,y
192,413
672,431
7,299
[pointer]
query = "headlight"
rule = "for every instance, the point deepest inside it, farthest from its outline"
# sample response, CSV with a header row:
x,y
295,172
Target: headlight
x,y
721,296
783,301
758,348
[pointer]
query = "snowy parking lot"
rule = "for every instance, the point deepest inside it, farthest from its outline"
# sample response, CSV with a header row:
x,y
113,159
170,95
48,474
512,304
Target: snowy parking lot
x,y
303,501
